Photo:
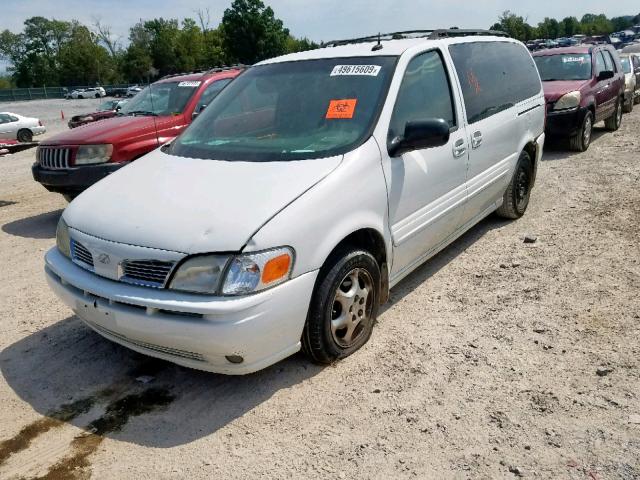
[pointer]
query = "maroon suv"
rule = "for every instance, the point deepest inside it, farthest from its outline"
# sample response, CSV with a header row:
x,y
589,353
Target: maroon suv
x,y
72,161
582,85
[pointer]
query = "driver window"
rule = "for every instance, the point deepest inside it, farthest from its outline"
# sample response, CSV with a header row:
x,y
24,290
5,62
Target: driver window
x,y
210,93
600,65
425,94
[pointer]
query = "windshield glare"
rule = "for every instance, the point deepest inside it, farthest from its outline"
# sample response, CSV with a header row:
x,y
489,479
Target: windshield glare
x,y
291,111
626,64
166,98
564,67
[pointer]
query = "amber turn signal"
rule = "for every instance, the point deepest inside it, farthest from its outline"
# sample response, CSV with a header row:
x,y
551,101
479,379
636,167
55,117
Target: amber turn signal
x,y
276,268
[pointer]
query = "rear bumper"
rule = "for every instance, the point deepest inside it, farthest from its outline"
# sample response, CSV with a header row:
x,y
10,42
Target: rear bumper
x,y
565,123
72,180
195,331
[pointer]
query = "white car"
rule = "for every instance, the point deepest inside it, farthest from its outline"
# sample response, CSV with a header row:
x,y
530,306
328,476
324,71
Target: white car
x,y
23,129
310,186
133,90
96,92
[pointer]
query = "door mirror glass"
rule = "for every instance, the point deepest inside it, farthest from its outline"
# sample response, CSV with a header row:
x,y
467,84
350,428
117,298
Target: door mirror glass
x,y
605,75
420,134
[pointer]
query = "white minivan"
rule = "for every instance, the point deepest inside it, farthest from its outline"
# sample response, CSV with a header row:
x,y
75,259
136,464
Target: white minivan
x,y
309,187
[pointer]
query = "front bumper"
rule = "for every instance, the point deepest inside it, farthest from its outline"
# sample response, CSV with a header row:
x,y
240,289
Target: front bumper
x,y
195,331
72,180
565,123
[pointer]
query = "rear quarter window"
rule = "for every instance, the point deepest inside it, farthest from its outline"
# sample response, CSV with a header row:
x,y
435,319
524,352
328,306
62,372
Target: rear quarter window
x,y
494,76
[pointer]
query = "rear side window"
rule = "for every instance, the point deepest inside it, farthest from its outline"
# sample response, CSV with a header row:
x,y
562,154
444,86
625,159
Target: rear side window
x,y
425,93
636,61
494,76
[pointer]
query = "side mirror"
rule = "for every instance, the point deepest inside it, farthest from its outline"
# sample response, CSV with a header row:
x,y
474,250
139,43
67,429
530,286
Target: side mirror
x,y
605,75
198,111
419,135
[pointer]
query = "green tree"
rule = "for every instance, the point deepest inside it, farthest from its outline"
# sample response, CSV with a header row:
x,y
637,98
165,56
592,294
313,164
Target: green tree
x,y
83,61
571,26
251,32
514,25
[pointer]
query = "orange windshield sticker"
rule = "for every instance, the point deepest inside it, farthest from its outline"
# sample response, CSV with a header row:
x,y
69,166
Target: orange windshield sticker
x,y
342,108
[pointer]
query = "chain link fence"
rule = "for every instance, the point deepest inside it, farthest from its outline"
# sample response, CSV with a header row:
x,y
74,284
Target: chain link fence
x,y
16,94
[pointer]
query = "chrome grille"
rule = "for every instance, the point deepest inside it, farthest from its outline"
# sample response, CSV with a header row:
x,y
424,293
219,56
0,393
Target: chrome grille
x,y
152,273
54,158
80,254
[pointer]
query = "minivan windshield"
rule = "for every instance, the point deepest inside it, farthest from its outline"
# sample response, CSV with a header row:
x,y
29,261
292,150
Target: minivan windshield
x,y
166,98
291,111
564,67
626,64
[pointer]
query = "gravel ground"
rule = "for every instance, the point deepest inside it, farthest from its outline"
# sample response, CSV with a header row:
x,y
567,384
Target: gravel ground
x,y
497,359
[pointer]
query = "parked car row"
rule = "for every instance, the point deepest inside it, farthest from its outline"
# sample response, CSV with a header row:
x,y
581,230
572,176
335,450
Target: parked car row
x,y
288,198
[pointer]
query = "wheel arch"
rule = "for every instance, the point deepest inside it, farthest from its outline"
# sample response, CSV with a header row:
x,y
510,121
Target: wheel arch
x,y
369,240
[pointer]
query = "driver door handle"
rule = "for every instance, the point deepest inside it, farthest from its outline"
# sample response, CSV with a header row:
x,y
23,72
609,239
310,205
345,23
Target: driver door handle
x,y
476,140
459,148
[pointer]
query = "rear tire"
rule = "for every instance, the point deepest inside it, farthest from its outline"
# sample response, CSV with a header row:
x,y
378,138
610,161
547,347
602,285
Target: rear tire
x,y
614,121
636,99
25,136
516,197
344,306
581,141
628,106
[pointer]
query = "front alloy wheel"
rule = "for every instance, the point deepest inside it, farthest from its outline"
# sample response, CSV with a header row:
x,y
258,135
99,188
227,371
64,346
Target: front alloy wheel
x,y
343,307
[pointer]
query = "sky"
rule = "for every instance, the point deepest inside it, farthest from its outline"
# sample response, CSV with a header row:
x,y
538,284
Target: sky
x,y
319,20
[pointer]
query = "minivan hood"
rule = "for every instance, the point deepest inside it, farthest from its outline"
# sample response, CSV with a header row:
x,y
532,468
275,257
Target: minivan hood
x,y
111,130
554,90
191,205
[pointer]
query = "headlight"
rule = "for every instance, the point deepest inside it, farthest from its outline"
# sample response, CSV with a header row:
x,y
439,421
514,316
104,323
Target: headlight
x,y
91,154
254,272
570,100
63,240
200,274
234,275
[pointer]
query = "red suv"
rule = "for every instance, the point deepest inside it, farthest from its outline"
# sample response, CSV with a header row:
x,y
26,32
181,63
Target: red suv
x,y
72,161
582,85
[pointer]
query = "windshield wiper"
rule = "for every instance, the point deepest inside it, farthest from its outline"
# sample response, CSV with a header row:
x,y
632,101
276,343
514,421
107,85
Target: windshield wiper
x,y
146,113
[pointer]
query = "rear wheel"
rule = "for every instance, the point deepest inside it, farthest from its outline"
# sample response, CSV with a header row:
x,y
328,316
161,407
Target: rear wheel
x,y
516,197
628,105
614,121
344,306
581,141
25,135
636,99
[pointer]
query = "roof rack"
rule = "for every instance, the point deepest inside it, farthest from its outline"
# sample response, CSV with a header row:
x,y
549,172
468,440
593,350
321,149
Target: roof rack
x,y
223,68
428,34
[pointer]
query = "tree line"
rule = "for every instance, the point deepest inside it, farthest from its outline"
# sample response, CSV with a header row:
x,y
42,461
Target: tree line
x,y
50,52
550,28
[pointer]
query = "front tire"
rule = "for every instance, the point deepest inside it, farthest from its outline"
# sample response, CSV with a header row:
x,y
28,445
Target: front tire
x,y
516,197
614,121
25,136
344,306
581,141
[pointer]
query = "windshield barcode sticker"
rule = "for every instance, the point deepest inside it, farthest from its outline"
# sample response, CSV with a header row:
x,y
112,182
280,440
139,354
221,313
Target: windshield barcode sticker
x,y
189,84
369,70
573,59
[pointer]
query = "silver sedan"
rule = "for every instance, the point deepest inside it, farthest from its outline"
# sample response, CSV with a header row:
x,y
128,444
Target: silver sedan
x,y
14,126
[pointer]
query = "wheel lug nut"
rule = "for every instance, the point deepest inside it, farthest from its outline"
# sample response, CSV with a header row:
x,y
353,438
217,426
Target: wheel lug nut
x,y
360,313
362,301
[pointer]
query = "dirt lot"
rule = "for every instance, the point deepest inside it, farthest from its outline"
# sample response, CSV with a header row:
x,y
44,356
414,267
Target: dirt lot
x,y
497,359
